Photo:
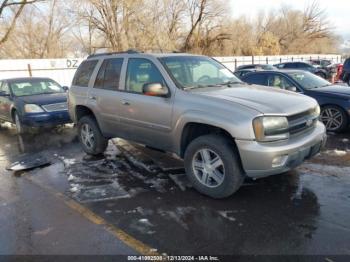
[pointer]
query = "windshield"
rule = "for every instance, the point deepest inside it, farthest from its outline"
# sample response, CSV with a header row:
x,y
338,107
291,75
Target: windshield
x,y
35,87
308,80
195,72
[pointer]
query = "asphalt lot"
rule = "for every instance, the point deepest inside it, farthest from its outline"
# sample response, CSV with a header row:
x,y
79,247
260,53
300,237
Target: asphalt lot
x,y
135,200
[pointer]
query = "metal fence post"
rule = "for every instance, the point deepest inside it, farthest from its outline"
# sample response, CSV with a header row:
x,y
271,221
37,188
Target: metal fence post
x,y
252,59
267,60
29,70
235,63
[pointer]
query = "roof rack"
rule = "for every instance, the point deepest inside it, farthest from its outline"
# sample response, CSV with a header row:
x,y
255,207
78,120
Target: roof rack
x,y
129,51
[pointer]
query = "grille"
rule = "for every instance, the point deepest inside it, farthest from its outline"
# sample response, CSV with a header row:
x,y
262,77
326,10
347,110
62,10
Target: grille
x,y
56,107
301,122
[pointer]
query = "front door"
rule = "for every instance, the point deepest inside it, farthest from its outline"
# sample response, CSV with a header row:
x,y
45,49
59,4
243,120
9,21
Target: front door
x,y
147,117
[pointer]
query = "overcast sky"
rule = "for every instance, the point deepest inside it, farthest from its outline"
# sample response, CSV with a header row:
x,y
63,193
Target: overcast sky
x,y
338,10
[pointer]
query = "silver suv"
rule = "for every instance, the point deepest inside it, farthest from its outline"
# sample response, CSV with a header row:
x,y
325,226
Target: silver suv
x,y
195,107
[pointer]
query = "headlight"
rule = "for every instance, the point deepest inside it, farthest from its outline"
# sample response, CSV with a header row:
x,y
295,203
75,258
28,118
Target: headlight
x,y
32,108
317,111
270,128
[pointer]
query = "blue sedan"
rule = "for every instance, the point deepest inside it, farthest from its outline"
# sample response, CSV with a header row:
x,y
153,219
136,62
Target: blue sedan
x,y
334,100
33,102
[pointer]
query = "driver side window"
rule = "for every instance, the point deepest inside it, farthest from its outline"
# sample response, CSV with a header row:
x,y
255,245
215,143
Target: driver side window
x,y
140,72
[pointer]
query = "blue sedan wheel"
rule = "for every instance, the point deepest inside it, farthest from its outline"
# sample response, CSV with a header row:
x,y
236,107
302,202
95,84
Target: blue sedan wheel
x,y
334,118
21,129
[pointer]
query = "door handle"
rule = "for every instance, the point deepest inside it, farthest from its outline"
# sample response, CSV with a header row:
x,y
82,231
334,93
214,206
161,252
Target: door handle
x,y
125,102
92,97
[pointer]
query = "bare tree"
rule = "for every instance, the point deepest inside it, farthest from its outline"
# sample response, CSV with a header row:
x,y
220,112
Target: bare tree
x,y
40,33
15,8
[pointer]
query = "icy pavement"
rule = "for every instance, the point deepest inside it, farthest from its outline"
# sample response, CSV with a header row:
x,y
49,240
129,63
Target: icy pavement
x,y
147,194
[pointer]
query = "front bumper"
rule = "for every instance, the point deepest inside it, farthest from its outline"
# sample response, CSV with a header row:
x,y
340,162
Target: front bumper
x,y
47,119
258,158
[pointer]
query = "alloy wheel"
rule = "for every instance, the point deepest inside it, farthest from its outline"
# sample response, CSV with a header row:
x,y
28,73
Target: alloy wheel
x,y
87,136
332,118
208,168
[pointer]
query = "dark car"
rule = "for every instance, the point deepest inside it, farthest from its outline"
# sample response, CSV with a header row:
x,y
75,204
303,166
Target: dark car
x,y
305,67
334,100
242,72
33,102
256,66
345,75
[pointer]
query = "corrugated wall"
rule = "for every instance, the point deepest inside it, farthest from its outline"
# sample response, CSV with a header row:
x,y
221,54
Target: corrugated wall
x,y
62,70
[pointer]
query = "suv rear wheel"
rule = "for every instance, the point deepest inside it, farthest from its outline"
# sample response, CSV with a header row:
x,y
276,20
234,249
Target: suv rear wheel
x,y
213,166
90,136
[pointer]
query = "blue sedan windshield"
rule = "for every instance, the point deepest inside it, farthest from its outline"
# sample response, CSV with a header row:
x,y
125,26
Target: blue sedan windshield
x,y
308,80
35,87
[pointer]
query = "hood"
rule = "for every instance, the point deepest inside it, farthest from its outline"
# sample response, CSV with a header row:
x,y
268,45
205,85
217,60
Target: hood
x,y
266,100
333,90
44,99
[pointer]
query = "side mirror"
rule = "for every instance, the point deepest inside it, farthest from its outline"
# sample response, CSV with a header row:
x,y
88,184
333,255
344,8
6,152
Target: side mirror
x,y
65,88
155,89
292,88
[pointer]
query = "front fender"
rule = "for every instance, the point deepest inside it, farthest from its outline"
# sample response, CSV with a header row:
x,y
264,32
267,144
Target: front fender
x,y
239,127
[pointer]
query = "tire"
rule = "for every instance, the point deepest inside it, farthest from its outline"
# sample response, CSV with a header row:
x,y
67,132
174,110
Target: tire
x,y
90,136
229,175
20,127
334,118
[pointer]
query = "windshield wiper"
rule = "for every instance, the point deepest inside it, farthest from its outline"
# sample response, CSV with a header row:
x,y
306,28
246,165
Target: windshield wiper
x,y
232,83
200,86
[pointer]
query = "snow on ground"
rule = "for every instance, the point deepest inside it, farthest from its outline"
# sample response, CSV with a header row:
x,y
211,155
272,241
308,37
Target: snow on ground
x,y
179,215
227,215
335,152
321,169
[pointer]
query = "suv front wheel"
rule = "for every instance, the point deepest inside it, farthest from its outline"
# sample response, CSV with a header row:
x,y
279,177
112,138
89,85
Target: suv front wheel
x,y
90,136
213,166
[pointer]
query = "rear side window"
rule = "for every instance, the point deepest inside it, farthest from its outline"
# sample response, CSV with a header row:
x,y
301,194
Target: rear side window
x,y
109,74
84,72
257,79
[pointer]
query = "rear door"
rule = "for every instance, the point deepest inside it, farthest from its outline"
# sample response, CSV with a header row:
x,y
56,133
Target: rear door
x,y
78,93
5,102
106,96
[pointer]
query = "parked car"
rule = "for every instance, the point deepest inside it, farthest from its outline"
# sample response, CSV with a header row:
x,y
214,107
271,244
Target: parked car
x,y
333,99
322,63
327,65
345,75
304,66
240,73
256,66
33,102
195,107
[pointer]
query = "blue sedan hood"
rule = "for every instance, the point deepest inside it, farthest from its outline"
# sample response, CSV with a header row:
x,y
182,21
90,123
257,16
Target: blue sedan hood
x,y
44,99
332,90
